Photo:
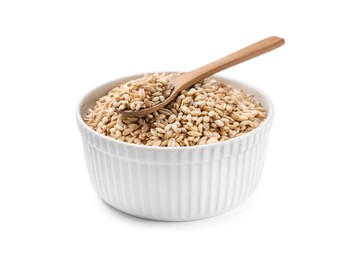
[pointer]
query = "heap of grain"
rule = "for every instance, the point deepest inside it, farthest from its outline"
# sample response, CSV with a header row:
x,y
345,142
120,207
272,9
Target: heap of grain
x,y
208,112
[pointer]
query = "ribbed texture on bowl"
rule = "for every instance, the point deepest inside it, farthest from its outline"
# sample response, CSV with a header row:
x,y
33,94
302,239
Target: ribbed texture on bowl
x,y
175,184
172,185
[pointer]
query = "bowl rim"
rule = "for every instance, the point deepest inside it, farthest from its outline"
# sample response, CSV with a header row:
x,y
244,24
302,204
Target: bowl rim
x,y
266,122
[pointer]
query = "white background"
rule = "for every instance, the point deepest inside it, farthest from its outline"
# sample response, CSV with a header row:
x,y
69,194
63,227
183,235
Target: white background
x,y
52,52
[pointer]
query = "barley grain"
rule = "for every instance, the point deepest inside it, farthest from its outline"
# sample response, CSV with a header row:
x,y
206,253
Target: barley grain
x,y
219,123
194,133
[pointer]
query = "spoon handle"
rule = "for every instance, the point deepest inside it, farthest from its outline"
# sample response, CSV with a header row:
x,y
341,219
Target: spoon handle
x,y
250,52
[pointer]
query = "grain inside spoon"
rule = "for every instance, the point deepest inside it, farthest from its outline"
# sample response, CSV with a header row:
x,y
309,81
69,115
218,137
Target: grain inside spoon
x,y
188,79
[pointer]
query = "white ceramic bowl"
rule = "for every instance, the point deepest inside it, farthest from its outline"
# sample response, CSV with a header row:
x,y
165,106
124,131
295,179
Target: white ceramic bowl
x,y
174,183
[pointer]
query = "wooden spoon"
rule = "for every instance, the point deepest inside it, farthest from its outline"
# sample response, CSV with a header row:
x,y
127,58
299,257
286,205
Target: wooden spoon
x,y
188,79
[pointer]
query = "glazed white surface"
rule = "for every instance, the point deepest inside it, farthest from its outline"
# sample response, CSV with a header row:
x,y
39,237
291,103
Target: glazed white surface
x,y
175,184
